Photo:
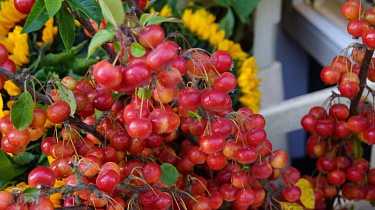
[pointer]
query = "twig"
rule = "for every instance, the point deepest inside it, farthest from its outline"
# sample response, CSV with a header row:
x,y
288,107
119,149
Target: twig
x,y
362,81
87,25
134,7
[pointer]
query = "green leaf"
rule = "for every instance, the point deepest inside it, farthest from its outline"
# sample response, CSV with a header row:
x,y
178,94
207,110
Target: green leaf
x,y
52,59
243,8
67,96
98,39
98,113
22,111
172,3
30,194
32,191
224,3
53,6
37,17
80,65
8,169
357,148
149,19
194,114
24,158
227,23
137,50
144,93
66,27
90,8
113,11
169,174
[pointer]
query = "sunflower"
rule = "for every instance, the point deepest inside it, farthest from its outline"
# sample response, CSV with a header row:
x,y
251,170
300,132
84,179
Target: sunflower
x,y
17,46
9,16
48,33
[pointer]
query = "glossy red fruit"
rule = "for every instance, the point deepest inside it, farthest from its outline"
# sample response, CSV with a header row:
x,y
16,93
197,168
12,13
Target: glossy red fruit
x,y
107,74
356,27
349,89
139,127
370,16
189,98
221,60
58,111
107,181
3,54
44,203
211,144
24,6
137,75
329,75
161,57
352,10
41,175
354,174
336,177
151,36
368,38
357,124
6,198
291,193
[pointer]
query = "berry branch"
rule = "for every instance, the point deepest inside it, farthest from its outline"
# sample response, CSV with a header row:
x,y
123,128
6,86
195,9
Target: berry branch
x,y
362,84
17,79
87,25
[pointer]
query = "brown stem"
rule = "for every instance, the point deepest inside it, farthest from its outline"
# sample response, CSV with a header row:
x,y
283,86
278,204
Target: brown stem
x,y
87,25
17,79
134,7
362,81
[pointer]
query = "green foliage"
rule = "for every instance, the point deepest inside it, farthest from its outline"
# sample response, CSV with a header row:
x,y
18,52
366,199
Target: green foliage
x,y
357,147
195,115
53,6
67,96
137,50
15,168
169,174
113,11
37,17
144,93
90,8
150,19
22,111
227,23
66,27
100,38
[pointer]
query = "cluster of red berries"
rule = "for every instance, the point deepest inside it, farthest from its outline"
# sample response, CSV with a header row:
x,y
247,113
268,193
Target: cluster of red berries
x,y
338,132
172,107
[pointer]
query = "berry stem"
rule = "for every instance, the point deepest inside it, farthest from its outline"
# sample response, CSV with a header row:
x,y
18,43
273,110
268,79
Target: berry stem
x,y
362,81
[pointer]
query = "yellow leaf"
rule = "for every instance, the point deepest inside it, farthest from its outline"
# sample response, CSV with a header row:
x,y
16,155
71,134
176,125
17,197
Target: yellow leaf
x,y
290,206
307,195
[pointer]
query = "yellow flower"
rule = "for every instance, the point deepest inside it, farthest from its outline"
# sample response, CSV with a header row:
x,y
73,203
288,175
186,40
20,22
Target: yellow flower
x,y
17,46
9,16
20,186
249,84
11,88
48,33
166,11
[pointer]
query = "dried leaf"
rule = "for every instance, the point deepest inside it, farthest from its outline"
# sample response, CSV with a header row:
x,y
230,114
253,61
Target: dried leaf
x,y
290,206
307,195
